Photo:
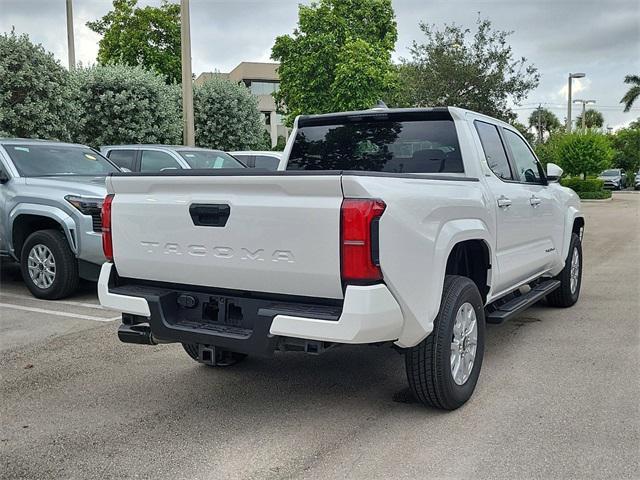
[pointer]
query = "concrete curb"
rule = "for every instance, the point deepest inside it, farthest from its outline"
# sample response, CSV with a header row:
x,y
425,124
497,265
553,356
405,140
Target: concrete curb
x,y
596,200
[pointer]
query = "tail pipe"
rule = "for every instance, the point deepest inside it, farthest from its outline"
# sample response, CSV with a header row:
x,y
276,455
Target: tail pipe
x,y
140,334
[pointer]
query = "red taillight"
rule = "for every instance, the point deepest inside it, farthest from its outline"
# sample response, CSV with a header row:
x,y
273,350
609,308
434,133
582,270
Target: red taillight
x,y
107,244
359,239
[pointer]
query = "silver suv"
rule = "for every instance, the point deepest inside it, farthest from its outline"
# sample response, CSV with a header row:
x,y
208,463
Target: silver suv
x,y
51,195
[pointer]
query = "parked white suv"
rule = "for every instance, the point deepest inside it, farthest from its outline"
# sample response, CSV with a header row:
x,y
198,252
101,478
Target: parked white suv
x,y
411,227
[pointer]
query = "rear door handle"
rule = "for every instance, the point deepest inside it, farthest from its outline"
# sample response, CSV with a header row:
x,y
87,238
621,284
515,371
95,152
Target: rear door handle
x,y
209,215
504,202
534,201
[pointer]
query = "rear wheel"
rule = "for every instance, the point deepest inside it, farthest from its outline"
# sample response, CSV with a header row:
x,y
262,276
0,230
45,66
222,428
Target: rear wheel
x,y
213,356
443,369
570,277
48,266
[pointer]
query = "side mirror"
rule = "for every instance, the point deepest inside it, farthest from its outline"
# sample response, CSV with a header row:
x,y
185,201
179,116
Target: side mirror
x,y
4,178
125,169
554,172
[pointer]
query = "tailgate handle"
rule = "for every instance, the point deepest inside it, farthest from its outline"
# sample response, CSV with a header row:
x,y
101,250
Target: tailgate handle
x,y
208,215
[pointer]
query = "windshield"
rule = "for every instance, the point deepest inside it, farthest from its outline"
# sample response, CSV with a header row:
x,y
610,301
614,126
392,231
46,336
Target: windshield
x,y
54,160
399,144
610,173
209,159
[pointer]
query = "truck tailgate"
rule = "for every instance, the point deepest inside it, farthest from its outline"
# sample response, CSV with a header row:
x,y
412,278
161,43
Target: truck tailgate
x,y
275,234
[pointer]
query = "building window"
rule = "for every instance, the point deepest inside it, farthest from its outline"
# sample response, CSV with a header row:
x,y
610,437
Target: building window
x,y
262,88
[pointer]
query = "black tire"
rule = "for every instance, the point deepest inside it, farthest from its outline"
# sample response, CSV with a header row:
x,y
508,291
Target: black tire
x,y
224,358
563,296
428,364
66,267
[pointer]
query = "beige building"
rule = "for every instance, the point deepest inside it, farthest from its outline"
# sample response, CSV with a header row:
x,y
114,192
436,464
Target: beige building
x,y
262,79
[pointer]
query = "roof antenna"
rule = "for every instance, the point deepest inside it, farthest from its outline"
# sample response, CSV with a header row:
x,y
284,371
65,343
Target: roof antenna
x,y
380,105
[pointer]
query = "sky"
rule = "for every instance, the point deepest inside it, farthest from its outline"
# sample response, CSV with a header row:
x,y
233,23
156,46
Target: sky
x,y
598,37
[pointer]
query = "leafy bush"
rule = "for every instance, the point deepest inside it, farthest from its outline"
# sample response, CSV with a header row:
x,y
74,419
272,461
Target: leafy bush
x,y
33,91
581,153
227,116
601,195
123,104
579,185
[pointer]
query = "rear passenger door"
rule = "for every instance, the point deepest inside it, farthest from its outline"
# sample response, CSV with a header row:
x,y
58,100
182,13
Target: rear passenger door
x,y
547,217
515,251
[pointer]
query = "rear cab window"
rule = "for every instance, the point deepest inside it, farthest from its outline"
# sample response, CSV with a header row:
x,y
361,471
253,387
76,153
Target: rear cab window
x,y
395,142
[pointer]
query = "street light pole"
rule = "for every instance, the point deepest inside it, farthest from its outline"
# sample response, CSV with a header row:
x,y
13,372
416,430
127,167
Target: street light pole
x,y
187,77
70,42
571,77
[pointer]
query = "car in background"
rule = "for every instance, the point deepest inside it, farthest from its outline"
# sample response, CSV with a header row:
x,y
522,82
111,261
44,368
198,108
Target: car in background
x,y
614,178
158,158
51,195
265,160
636,183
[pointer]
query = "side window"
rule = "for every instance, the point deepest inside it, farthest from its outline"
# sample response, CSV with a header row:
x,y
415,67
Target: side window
x,y
494,150
155,161
528,168
122,158
246,159
269,163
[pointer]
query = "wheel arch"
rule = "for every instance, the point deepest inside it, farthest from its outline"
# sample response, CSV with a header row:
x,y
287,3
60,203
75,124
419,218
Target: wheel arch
x,y
451,236
574,223
26,219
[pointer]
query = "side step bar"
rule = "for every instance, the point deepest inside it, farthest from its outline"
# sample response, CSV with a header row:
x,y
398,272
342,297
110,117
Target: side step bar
x,y
517,305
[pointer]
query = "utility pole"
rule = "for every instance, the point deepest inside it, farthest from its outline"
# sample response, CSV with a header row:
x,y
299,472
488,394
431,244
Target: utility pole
x,y
187,77
70,42
584,111
571,77
539,123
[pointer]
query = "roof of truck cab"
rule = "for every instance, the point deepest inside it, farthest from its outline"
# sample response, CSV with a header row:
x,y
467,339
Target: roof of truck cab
x,y
455,112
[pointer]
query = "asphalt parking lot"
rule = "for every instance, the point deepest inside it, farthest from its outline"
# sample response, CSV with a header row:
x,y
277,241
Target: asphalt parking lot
x,y
558,396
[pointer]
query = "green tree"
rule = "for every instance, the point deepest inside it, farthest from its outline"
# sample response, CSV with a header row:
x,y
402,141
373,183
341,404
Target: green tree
x,y
524,131
122,104
227,117
339,57
547,151
543,121
626,143
592,119
455,67
633,93
33,91
147,36
582,153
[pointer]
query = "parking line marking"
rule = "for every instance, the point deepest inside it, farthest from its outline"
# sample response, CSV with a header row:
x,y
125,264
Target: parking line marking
x,y
58,313
62,302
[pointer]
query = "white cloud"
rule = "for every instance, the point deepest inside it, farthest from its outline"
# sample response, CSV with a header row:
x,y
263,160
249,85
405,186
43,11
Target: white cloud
x,y
578,85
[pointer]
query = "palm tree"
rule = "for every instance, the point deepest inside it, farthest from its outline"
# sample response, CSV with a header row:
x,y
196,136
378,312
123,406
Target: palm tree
x,y
634,92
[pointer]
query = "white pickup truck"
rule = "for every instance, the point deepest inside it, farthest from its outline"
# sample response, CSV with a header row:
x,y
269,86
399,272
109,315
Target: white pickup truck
x,y
407,227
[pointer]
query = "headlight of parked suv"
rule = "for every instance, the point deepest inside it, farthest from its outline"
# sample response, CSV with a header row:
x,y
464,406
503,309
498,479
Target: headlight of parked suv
x,y
86,205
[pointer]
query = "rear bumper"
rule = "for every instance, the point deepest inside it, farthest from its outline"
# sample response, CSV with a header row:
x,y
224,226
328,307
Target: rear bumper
x,y
252,323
